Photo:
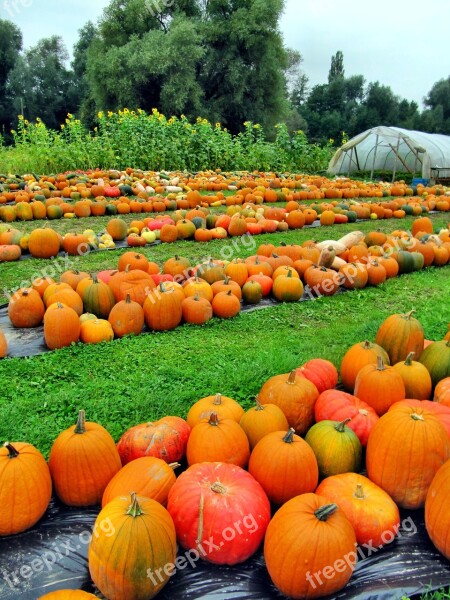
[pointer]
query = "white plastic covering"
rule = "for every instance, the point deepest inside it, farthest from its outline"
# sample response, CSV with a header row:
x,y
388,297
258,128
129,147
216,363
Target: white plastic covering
x,y
425,155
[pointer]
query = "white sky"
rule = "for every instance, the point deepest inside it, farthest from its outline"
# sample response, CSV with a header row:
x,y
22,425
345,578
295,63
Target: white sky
x,y
397,42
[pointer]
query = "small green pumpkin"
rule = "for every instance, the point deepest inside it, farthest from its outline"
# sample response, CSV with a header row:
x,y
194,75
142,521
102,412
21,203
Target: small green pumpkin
x,y
336,446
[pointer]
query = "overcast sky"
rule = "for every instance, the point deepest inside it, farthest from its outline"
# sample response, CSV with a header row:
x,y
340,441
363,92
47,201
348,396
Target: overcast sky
x,y
386,41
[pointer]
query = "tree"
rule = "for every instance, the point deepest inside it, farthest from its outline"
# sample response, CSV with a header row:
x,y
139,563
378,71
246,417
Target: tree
x,y
337,67
223,59
41,84
436,116
10,46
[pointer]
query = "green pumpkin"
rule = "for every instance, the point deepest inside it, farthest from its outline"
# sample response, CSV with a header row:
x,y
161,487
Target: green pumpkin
x,y
126,190
251,292
436,358
405,261
111,209
336,446
408,208
352,216
98,299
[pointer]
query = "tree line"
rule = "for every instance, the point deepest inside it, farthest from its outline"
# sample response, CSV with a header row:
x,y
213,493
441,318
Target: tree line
x,y
222,59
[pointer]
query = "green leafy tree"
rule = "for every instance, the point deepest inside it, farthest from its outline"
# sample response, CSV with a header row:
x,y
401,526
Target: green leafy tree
x,y
41,85
10,46
436,116
337,67
223,59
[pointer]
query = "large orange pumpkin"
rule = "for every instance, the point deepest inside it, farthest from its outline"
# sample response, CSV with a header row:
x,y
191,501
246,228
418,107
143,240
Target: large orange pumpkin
x,y
83,459
25,487
295,395
218,440
126,317
148,476
320,560
61,326
399,335
44,243
405,449
284,464
371,511
162,309
437,514
442,392
357,357
165,439
416,378
133,542
261,419
220,503
25,308
380,386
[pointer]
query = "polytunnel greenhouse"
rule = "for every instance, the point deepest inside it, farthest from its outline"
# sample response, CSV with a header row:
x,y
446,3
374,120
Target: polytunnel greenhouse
x,y
392,149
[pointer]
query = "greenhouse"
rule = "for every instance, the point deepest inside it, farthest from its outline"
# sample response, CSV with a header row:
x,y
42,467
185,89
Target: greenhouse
x,y
392,149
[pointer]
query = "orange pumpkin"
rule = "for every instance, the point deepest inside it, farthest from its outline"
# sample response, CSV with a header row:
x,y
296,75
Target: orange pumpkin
x,y
327,539
437,515
261,419
380,386
83,459
23,502
218,440
149,476
295,395
126,317
25,308
285,466
145,528
405,449
358,356
371,511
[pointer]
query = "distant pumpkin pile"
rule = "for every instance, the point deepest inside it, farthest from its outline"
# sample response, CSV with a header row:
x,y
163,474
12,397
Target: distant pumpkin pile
x,y
251,478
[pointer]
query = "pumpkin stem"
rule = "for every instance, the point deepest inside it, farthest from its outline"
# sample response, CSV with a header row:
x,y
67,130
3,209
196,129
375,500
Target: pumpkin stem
x,y
134,510
12,452
292,376
174,465
409,359
217,399
341,426
359,492
325,511
128,299
367,345
409,314
213,419
363,411
380,364
259,406
161,287
289,437
218,488
226,281
416,417
80,427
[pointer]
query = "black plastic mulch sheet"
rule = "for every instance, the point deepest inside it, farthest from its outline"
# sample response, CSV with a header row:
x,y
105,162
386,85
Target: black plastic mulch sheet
x,y
53,556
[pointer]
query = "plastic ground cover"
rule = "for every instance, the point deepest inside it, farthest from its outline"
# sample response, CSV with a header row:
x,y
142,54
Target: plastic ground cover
x,y
53,555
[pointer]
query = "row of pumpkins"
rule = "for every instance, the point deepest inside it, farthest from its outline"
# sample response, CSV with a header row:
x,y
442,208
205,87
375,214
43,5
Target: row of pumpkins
x,y
197,224
141,184
113,303
240,464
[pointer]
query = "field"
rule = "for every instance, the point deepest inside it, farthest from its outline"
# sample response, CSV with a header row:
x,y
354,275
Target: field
x,y
167,371
142,378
